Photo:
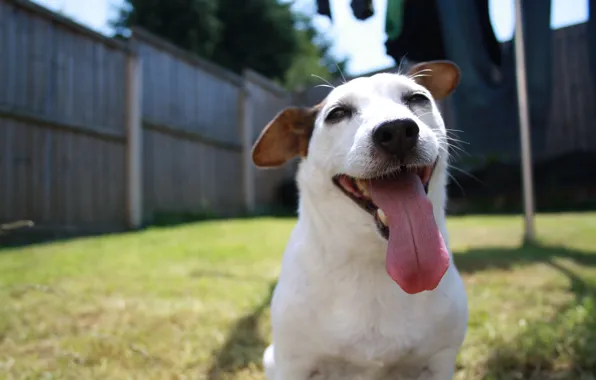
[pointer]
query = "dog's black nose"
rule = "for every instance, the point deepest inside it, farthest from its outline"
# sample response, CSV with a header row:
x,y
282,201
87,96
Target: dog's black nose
x,y
396,137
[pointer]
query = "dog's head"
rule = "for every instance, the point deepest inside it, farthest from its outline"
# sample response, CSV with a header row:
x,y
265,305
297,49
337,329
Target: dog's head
x,y
379,140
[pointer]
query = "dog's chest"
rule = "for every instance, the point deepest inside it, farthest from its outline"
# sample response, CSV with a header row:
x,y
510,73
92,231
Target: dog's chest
x,y
373,321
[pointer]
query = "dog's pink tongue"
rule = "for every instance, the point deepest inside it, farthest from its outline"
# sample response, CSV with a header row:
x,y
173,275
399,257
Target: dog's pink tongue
x,y
417,257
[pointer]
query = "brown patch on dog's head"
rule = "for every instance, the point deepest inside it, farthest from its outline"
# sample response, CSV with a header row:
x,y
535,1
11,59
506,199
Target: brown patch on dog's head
x,y
285,137
438,77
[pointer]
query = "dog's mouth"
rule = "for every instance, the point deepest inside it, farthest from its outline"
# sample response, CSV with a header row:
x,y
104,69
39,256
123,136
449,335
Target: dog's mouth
x,y
359,190
417,257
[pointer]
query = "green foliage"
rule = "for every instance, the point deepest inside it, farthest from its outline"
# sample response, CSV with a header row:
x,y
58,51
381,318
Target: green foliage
x,y
263,35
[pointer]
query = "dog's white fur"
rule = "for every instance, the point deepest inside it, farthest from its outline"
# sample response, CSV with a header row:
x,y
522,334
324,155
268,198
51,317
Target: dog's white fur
x,y
336,314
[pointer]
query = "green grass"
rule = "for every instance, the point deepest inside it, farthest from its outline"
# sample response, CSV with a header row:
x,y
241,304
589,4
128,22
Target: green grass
x,y
191,302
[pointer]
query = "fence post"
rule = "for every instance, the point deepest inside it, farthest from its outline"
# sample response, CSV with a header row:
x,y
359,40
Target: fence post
x,y
248,170
134,142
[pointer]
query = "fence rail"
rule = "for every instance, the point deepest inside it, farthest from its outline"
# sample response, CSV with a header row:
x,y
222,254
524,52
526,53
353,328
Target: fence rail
x,y
101,133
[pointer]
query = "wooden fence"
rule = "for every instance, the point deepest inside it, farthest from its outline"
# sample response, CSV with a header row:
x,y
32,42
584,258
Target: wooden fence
x,y
97,133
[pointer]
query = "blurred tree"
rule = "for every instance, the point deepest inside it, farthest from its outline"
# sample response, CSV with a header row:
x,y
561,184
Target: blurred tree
x,y
264,35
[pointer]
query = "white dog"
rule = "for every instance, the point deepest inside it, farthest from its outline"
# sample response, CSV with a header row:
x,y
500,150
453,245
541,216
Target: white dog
x,y
368,288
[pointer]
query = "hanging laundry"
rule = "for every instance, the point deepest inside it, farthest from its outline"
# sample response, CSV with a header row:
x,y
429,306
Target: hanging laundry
x,y
418,36
592,39
485,109
324,8
362,9
394,18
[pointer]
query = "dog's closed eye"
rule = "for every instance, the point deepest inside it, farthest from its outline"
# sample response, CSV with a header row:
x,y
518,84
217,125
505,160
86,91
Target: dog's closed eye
x,y
338,113
416,99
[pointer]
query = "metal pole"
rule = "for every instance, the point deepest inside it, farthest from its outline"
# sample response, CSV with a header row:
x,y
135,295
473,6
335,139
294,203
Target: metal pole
x,y
524,125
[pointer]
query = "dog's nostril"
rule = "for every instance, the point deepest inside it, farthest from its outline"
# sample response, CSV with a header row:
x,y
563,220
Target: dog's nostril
x,y
385,136
412,131
396,137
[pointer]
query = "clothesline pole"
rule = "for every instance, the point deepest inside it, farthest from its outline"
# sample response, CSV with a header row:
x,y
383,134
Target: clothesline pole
x,y
524,125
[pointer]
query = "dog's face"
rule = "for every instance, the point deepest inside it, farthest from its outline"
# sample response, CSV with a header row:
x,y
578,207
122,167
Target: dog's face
x,y
378,139
367,128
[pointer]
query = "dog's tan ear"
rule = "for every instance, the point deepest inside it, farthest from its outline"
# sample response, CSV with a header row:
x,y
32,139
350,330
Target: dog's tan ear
x,y
285,137
439,77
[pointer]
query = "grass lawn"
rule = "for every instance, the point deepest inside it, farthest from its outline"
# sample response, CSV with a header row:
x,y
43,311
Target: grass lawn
x,y
191,302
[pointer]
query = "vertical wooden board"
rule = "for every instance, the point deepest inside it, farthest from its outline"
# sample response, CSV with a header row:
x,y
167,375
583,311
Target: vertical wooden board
x,y
69,92
81,178
181,95
35,81
80,90
161,81
91,172
90,158
189,175
114,188
104,85
69,197
58,100
48,69
121,189
99,105
11,59
111,188
22,64
172,90
145,71
159,163
147,175
190,98
34,199
58,179
212,174
150,76
4,53
7,143
21,162
74,199
168,171
172,183
121,92
111,86
156,163
99,181
155,174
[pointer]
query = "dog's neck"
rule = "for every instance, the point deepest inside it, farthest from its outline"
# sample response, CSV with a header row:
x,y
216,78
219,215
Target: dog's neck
x,y
335,222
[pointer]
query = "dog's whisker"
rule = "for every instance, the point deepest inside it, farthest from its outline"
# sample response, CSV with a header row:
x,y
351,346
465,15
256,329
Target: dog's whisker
x,y
324,80
449,175
468,174
401,61
452,139
420,73
340,72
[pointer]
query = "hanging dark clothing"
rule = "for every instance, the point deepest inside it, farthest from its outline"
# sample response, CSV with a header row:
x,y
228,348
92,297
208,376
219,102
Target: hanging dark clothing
x,y
485,106
414,30
420,36
324,8
362,9
592,39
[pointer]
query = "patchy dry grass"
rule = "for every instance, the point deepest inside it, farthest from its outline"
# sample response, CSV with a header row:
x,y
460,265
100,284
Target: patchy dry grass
x,y
191,302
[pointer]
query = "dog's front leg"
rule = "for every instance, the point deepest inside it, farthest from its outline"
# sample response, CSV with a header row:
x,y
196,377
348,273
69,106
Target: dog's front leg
x,y
294,371
441,366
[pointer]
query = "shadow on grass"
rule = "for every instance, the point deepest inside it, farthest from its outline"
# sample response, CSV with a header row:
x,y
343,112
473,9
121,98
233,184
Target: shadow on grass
x,y
481,259
563,347
244,346
38,236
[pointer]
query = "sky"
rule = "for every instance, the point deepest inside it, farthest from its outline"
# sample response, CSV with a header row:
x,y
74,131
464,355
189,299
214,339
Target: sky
x,y
361,41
